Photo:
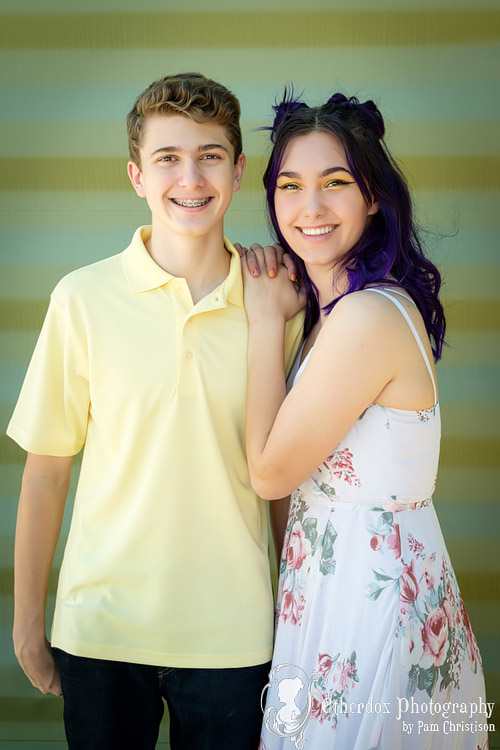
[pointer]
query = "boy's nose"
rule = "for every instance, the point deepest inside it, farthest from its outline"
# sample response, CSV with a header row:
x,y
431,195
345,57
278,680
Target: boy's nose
x,y
191,175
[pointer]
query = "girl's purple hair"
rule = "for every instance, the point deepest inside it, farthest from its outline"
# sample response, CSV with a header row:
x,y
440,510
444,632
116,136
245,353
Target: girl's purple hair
x,y
390,250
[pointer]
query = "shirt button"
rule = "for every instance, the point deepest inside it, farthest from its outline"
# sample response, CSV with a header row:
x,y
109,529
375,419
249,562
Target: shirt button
x,y
189,355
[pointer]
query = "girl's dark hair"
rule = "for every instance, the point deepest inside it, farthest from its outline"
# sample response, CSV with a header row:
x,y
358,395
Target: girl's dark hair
x,y
389,250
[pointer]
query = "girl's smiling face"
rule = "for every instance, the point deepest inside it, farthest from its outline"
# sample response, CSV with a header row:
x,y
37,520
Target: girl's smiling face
x,y
319,206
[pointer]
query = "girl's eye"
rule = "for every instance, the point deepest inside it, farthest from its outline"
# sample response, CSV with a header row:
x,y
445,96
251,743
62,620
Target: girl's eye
x,y
288,186
338,183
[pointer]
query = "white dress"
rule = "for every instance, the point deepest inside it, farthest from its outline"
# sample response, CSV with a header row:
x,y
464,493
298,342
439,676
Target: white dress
x,y
373,645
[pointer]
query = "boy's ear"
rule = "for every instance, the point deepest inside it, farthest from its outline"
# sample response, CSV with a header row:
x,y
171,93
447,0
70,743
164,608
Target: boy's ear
x,y
239,168
135,175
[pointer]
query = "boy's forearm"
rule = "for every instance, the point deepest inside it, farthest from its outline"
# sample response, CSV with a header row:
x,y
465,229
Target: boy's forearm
x,y
41,509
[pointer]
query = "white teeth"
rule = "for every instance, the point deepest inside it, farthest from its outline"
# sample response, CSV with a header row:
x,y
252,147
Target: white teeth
x,y
319,230
190,203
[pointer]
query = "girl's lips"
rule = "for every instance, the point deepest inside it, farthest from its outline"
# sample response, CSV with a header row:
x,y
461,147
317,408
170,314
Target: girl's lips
x,y
316,231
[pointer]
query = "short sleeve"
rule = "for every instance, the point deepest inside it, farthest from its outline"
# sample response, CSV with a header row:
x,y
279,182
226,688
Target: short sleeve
x,y
51,415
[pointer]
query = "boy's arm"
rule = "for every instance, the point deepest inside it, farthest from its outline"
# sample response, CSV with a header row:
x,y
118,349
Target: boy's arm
x,y
41,509
278,516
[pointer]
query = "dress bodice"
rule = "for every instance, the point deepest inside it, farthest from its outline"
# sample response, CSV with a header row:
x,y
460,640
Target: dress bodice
x,y
388,455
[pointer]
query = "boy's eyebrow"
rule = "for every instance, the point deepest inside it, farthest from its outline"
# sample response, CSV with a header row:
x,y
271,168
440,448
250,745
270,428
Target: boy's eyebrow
x,y
210,146
204,147
325,173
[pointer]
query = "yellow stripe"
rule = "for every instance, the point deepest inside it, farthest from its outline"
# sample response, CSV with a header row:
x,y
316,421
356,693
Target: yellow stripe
x,y
472,315
463,452
479,586
469,452
482,419
56,138
31,712
462,315
79,173
254,29
474,586
22,315
109,173
474,554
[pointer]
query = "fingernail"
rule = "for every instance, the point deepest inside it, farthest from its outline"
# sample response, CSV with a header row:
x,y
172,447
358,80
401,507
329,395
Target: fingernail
x,y
293,277
271,273
255,272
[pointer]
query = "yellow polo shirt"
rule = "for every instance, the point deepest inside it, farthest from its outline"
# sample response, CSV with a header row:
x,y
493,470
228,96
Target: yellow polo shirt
x,y
166,560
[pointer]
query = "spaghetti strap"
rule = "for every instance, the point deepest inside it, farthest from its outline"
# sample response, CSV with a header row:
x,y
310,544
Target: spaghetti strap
x,y
411,326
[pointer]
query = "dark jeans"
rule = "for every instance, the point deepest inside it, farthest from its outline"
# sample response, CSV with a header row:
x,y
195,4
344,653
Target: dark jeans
x,y
109,704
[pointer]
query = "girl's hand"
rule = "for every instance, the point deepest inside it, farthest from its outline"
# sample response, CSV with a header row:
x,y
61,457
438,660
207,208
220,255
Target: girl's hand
x,y
272,294
274,256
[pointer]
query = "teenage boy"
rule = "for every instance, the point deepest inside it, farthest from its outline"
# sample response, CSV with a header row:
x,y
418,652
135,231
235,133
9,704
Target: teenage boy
x,y
164,590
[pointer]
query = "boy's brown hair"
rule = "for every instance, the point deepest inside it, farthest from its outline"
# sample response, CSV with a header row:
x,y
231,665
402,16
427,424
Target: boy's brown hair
x,y
188,94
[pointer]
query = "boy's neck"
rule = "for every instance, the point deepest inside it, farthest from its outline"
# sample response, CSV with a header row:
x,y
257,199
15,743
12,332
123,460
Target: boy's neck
x,y
202,261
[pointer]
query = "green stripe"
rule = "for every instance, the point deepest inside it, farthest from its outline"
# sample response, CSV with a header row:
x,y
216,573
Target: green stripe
x,y
461,315
109,173
248,29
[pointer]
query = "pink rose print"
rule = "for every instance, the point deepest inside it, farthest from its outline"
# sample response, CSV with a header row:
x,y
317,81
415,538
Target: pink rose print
x,y
429,572
450,615
291,609
394,542
415,546
413,647
376,542
450,594
344,679
408,585
470,639
299,547
435,638
324,664
317,698
340,464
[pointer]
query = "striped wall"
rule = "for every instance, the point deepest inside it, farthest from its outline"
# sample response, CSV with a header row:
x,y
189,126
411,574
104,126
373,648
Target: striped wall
x,y
69,71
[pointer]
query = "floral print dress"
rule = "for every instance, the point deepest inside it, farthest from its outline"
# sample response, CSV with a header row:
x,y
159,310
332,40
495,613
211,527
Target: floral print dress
x,y
373,649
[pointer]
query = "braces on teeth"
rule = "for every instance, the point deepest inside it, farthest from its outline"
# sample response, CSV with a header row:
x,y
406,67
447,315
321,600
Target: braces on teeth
x,y
190,203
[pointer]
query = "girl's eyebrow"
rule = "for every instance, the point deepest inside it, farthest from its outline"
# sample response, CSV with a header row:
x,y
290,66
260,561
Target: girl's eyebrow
x,y
325,173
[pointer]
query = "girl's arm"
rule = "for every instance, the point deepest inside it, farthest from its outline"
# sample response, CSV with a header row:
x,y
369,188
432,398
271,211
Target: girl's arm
x,y
363,352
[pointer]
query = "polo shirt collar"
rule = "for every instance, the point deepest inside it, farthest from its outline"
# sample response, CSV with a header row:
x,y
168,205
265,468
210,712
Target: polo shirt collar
x,y
232,286
144,275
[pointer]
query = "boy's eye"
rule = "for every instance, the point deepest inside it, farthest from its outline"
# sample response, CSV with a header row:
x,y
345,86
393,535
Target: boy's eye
x,y
210,157
167,157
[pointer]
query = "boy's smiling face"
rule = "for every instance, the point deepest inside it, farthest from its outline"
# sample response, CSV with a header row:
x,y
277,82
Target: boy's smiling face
x,y
187,174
